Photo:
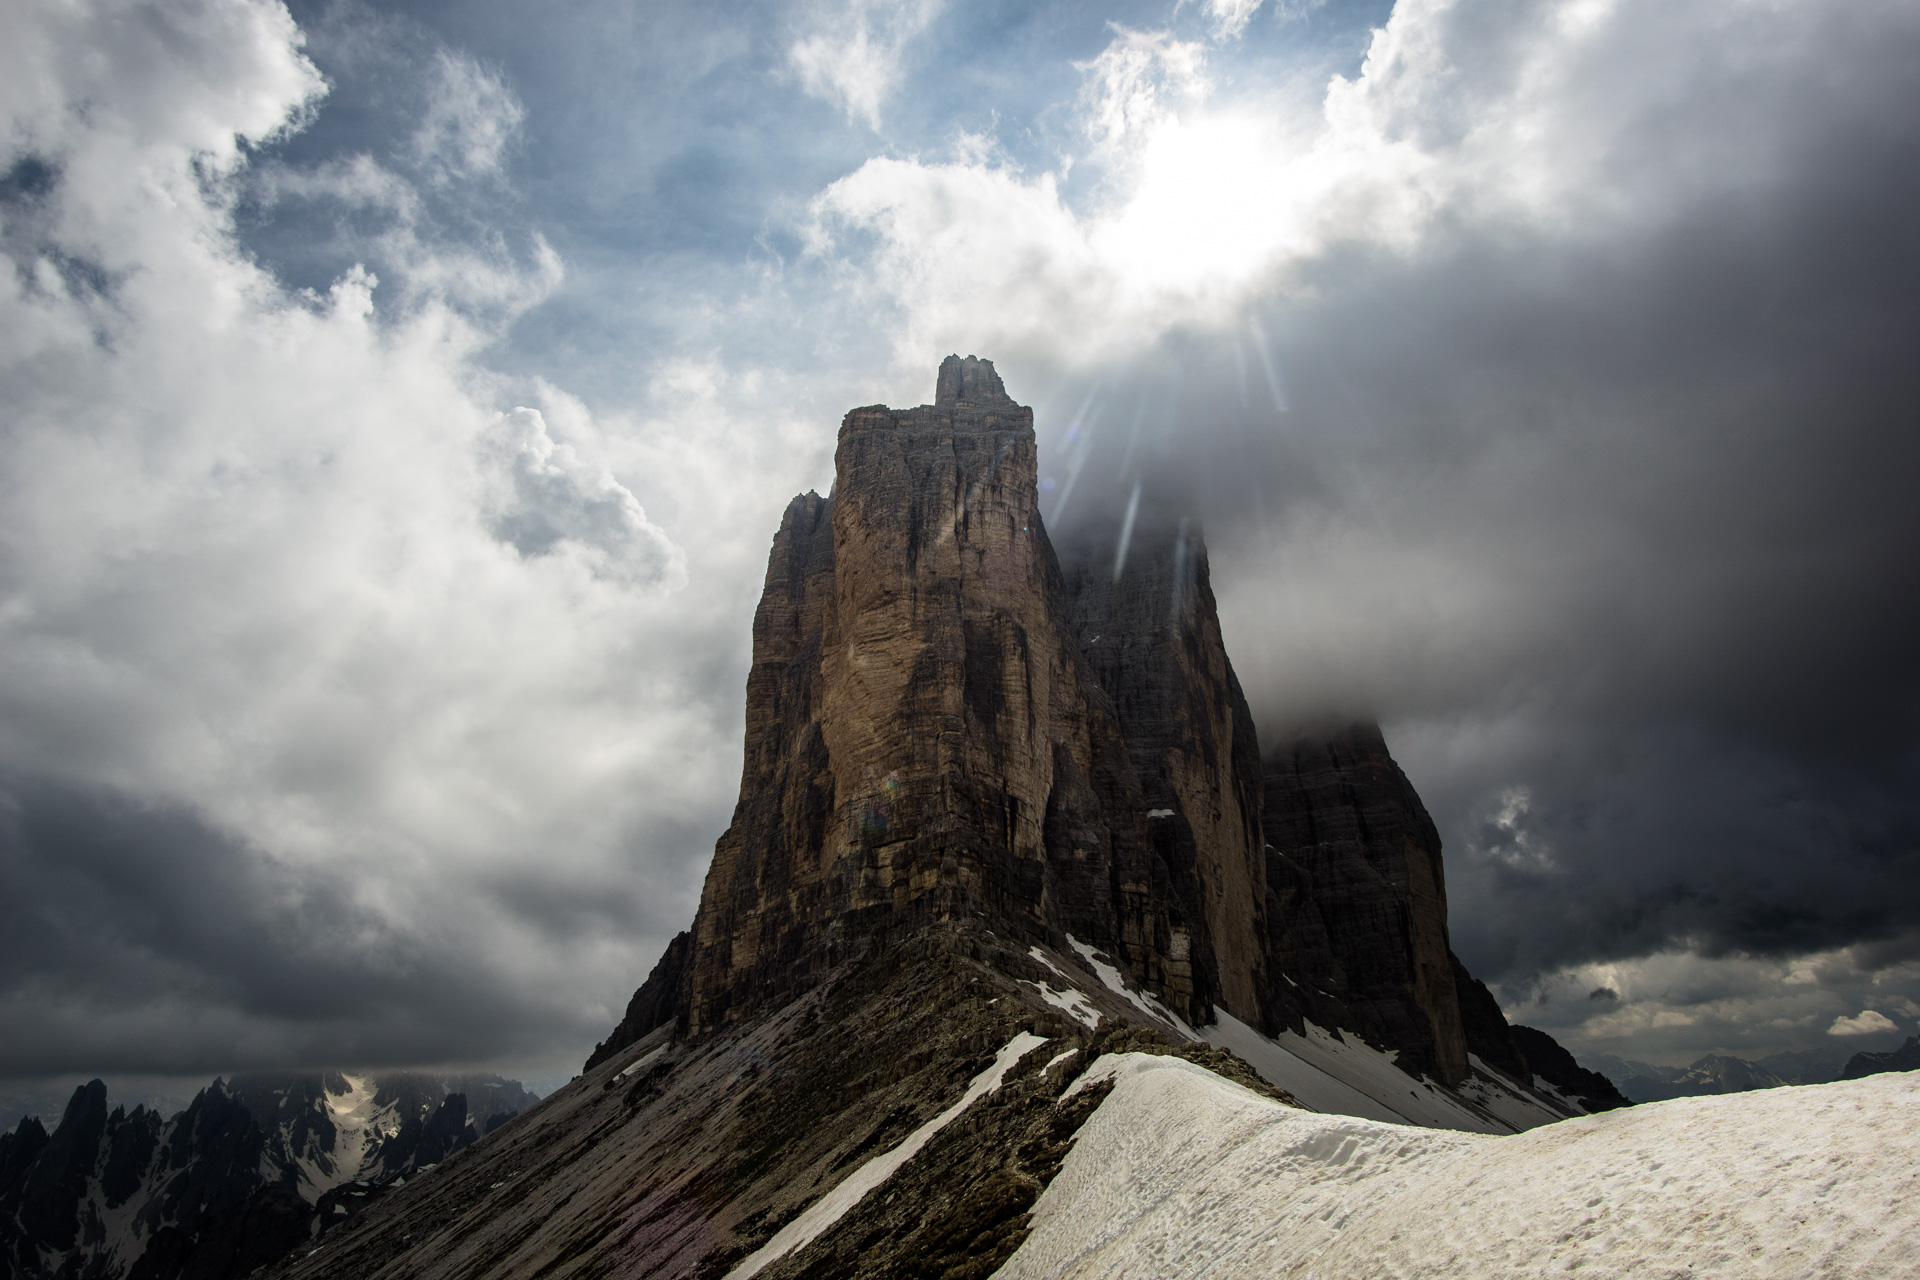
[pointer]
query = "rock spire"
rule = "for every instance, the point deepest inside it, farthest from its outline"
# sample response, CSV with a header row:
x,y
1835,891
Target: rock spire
x,y
949,721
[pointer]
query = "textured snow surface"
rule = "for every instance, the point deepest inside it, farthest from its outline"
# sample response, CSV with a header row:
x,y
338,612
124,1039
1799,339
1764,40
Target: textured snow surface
x,y
1180,1173
1347,1077
829,1209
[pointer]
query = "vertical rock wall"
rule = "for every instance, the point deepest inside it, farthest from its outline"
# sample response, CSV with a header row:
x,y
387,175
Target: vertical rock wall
x,y
925,740
943,724
1362,920
1147,623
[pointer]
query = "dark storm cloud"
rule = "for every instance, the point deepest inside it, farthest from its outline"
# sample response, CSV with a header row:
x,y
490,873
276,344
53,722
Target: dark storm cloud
x,y
1667,460
136,937
146,926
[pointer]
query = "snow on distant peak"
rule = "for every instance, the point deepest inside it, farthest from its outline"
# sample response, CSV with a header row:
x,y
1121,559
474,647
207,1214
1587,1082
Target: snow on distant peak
x,y
359,1126
1073,1002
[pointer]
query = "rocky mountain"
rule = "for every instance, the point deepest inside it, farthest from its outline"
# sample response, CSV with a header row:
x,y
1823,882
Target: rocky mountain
x,y
1719,1073
1004,813
251,1168
1905,1058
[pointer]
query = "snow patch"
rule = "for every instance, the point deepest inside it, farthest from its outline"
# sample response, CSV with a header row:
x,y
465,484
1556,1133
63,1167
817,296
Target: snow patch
x,y
1159,813
1111,979
1072,1002
359,1127
1345,1076
1047,960
1180,1174
827,1210
640,1062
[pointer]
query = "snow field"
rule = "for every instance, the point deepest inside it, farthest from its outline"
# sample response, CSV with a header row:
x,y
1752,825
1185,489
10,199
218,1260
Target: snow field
x,y
1183,1174
1350,1078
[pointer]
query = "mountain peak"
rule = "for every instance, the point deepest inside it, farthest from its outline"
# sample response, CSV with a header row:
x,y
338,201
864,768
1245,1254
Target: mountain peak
x,y
1003,812
969,380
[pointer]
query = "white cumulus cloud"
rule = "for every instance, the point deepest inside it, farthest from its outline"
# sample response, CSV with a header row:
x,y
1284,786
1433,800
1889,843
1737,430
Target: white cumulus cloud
x,y
298,568
1865,1023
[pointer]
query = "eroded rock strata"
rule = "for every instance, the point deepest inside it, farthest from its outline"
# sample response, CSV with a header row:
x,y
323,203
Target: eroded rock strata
x,y
925,739
946,720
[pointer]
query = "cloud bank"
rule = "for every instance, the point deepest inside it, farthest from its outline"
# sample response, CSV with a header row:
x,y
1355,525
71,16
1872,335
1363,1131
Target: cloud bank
x,y
390,456
1542,393
334,718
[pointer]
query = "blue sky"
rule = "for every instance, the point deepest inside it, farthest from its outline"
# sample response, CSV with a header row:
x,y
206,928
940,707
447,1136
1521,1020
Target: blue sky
x,y
402,399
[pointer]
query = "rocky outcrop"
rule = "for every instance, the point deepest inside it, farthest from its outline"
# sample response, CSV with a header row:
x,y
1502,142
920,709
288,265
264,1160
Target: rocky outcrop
x,y
1905,1058
946,721
1489,1037
1550,1062
925,740
1360,910
657,1002
44,1205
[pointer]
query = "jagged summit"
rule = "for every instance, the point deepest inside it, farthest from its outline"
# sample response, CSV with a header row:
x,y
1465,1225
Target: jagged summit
x,y
971,381
925,740
948,721
256,1166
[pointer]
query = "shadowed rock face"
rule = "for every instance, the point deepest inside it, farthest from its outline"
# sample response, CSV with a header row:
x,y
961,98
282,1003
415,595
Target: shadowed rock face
x,y
925,740
1147,623
1905,1058
1360,913
1547,1060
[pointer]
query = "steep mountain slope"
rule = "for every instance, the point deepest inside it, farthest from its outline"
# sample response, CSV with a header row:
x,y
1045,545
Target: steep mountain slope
x,y
1905,1058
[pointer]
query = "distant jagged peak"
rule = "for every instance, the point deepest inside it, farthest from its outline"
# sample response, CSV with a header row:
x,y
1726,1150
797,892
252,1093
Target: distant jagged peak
x,y
969,380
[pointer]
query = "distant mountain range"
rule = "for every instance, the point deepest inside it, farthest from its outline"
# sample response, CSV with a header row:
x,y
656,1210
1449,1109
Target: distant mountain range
x,y
1723,1073
249,1169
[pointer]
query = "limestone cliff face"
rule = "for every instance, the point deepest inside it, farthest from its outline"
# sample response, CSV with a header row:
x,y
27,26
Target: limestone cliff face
x,y
1147,622
948,722
925,740
1358,919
